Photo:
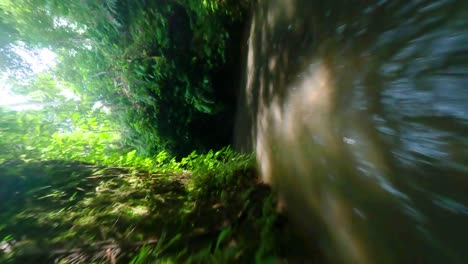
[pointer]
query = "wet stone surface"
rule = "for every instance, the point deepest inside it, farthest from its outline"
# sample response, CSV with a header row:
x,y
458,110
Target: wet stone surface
x,y
358,113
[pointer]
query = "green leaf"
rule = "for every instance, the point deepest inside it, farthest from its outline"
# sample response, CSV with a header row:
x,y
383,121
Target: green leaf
x,y
223,236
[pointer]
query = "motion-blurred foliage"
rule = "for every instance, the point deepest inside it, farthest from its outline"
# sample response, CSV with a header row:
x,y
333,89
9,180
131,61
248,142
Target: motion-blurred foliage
x,y
152,63
206,208
88,168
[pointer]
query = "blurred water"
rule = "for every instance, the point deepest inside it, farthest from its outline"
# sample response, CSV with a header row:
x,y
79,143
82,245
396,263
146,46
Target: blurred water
x,y
358,112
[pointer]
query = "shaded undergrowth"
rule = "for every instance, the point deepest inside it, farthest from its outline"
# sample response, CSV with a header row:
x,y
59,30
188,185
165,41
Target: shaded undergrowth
x,y
204,209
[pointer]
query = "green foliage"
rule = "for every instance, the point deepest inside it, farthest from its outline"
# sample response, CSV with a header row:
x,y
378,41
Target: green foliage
x,y
156,211
215,172
101,172
152,63
56,133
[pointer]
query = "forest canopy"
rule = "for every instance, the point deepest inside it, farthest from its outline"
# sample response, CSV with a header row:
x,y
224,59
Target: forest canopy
x,y
158,75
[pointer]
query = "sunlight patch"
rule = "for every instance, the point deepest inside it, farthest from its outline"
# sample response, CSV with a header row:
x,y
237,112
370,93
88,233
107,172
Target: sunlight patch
x,y
140,210
40,60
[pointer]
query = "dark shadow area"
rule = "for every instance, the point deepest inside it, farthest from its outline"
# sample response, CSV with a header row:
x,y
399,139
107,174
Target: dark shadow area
x,y
217,131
